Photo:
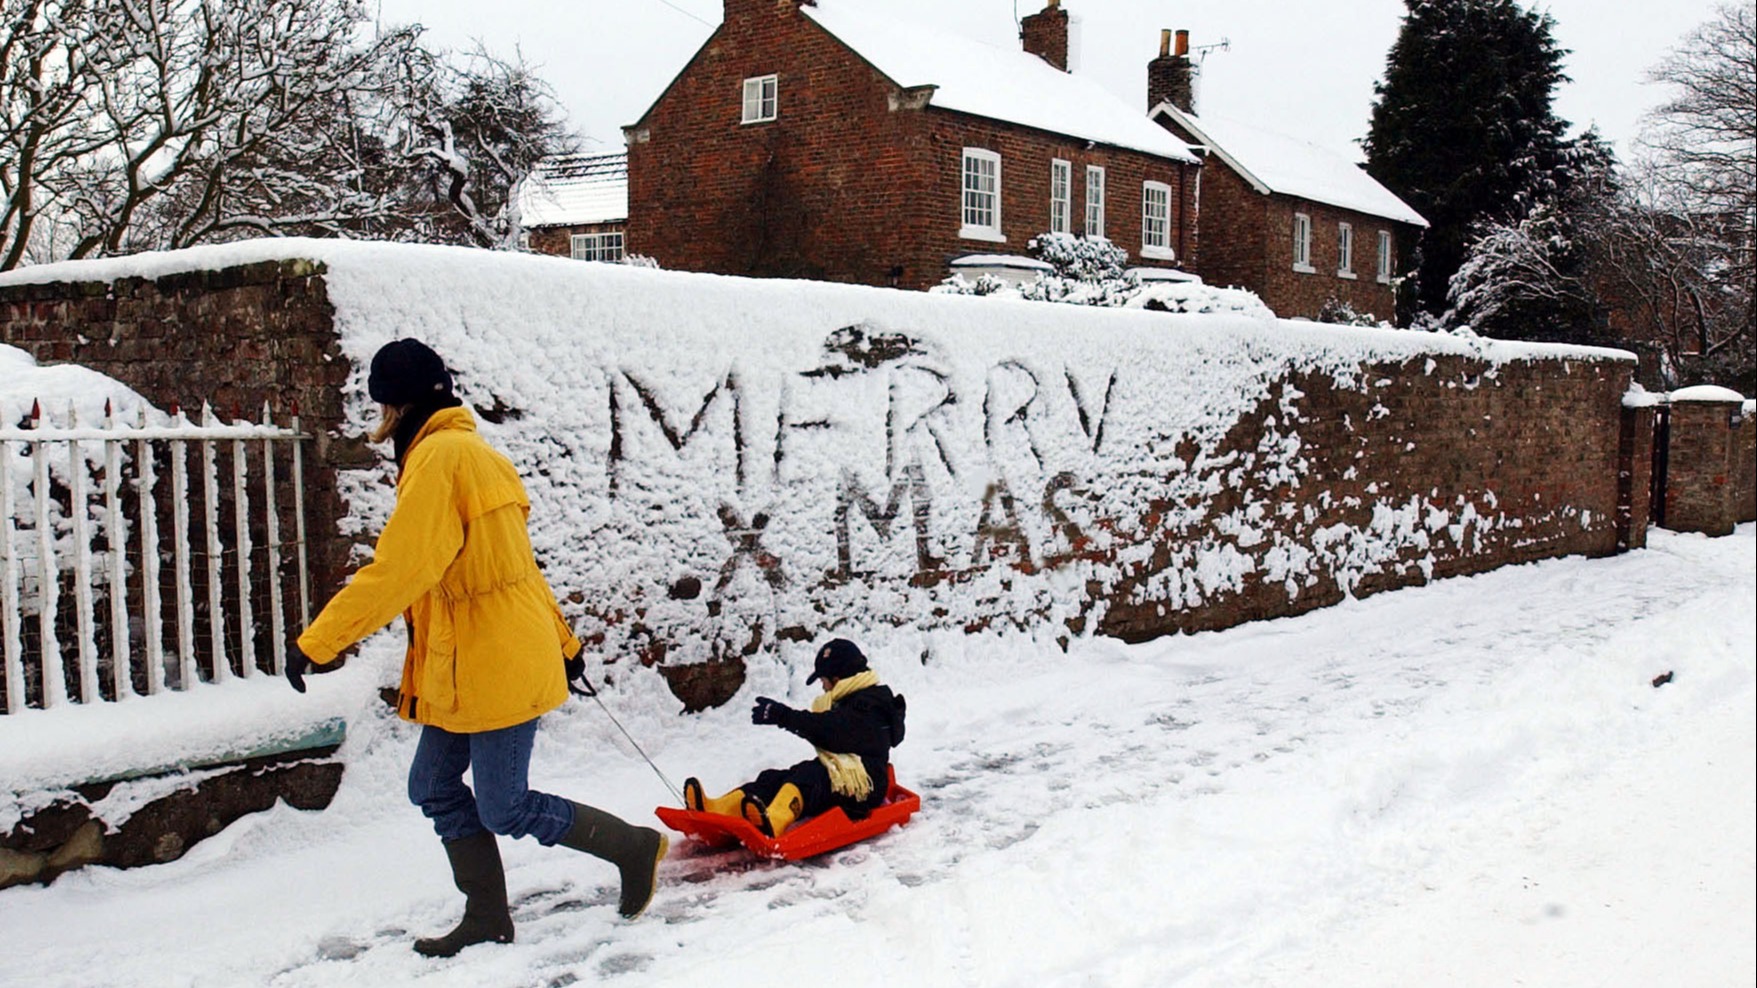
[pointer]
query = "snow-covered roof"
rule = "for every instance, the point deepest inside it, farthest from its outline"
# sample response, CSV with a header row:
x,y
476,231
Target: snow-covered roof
x,y
1276,163
576,189
1010,85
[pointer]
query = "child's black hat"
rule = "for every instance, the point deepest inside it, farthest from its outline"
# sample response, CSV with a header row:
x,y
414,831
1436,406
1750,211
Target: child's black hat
x,y
839,659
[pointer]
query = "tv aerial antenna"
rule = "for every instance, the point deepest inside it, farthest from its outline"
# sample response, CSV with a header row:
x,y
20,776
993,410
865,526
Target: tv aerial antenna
x,y
1224,44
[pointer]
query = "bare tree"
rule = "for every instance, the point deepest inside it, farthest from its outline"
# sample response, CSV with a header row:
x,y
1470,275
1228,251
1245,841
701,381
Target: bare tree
x,y
1693,243
163,123
49,83
474,129
157,124
1708,130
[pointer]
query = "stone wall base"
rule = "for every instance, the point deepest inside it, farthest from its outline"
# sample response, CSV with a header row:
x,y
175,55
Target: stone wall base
x,y
70,834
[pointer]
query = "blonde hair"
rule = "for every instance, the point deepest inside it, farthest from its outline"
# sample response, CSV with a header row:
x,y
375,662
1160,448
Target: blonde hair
x,y
388,418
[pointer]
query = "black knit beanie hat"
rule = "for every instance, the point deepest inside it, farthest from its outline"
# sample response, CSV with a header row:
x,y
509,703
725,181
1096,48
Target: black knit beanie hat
x,y
407,372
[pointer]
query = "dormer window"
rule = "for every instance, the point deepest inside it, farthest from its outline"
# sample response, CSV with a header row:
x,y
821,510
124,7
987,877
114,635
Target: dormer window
x,y
760,99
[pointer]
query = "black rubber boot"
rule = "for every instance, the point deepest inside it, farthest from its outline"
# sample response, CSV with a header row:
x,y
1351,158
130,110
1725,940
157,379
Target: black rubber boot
x,y
476,868
635,851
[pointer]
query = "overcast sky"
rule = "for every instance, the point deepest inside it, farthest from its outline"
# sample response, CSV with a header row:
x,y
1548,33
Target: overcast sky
x,y
1305,68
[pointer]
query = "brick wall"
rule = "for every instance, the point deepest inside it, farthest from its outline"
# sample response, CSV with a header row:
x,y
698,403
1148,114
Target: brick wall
x,y
1708,460
1536,444
1336,480
856,180
236,338
1745,472
1635,477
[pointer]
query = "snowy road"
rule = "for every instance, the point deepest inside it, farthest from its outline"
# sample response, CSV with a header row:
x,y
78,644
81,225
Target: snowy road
x,y
1471,783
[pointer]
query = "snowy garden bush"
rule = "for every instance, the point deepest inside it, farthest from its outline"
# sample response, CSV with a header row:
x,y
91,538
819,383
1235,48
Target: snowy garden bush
x,y
1093,271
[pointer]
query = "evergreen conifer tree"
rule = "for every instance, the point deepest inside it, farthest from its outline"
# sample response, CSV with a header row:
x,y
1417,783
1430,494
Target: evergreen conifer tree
x,y
1463,128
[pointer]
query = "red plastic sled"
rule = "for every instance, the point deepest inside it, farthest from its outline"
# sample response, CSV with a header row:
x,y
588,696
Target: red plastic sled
x,y
824,832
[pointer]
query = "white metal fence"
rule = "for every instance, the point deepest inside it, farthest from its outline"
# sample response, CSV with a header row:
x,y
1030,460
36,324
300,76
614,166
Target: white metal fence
x,y
84,516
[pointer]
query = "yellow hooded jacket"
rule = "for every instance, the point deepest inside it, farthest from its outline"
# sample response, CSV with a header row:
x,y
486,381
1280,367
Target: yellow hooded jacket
x,y
486,637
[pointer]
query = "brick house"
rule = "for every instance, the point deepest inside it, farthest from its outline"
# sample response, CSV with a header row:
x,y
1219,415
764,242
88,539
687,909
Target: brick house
x,y
816,139
1297,224
576,205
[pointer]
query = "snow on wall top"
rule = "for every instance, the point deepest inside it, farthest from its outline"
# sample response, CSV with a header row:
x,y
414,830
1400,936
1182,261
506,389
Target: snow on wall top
x,y
1706,392
575,190
1001,84
385,291
1277,163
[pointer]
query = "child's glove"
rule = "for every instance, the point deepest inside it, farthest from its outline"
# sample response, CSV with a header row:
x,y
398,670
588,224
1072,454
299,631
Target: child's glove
x,y
767,711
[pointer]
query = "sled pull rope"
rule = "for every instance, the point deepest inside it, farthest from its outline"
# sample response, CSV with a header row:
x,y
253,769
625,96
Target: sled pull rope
x,y
592,692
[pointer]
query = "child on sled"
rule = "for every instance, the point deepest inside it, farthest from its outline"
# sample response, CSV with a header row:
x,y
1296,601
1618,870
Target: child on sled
x,y
854,724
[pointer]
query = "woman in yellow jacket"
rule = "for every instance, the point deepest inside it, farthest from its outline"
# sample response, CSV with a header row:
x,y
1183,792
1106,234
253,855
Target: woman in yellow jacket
x,y
487,648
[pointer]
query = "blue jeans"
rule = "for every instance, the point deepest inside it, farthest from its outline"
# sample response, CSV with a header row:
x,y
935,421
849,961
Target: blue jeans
x,y
503,801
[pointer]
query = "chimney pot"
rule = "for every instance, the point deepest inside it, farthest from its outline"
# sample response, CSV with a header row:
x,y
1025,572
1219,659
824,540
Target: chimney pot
x,y
1170,77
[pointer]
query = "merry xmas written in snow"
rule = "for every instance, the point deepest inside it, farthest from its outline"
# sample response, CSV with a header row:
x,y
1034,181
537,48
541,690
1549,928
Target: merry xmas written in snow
x,y
1032,432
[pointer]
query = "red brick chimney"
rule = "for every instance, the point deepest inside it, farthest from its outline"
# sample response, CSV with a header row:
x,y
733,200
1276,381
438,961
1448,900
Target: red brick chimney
x,y
1045,34
1169,76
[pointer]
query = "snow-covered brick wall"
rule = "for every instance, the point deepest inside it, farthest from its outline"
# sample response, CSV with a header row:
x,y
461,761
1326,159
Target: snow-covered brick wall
x,y
1711,461
723,469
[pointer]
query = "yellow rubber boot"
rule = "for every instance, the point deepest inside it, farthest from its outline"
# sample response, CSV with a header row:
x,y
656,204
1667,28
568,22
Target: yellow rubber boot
x,y
774,817
726,805
694,799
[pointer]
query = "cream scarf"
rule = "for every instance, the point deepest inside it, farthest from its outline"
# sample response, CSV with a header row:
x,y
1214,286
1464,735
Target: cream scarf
x,y
847,772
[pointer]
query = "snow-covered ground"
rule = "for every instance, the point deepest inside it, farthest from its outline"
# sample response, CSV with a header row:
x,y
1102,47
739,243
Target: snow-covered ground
x,y
1470,783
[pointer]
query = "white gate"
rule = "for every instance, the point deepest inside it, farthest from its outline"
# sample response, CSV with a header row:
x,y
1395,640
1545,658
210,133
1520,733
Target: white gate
x,y
83,515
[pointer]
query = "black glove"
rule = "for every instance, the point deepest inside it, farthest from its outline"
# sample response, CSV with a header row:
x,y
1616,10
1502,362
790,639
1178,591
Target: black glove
x,y
767,711
577,684
297,666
